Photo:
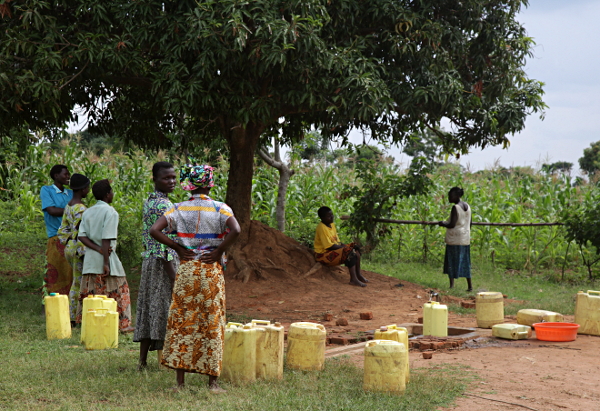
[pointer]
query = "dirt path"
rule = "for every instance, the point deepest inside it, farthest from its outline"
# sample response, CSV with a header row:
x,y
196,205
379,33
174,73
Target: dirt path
x,y
528,373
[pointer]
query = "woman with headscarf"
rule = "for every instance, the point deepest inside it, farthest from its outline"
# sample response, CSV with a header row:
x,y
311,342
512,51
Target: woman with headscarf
x,y
204,229
74,249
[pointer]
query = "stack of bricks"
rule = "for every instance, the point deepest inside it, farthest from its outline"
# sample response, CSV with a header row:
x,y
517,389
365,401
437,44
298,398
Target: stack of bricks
x,y
435,343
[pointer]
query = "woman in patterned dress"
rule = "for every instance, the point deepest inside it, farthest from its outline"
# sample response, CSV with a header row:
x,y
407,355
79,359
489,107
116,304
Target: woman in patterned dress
x,y
74,249
158,269
204,230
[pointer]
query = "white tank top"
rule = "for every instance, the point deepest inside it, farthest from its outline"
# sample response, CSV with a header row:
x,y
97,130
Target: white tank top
x,y
461,233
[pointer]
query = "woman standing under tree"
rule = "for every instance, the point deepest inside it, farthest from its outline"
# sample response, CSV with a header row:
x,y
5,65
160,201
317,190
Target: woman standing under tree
x,y
457,261
158,268
59,276
204,230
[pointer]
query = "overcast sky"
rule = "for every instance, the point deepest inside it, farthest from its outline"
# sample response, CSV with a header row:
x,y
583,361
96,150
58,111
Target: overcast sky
x,y
567,36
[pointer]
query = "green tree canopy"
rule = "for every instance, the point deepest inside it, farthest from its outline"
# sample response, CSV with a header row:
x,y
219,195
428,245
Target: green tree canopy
x,y
234,69
590,162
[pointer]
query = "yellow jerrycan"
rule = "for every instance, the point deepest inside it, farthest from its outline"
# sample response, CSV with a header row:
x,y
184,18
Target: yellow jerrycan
x,y
269,349
427,312
489,308
239,353
58,322
511,331
306,346
439,320
394,333
92,302
530,316
587,312
385,365
102,329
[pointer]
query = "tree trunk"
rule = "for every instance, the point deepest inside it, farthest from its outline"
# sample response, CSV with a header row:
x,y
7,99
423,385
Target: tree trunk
x,y
284,178
242,146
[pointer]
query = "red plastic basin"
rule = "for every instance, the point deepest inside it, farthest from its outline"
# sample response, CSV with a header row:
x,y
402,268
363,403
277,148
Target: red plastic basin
x,y
556,331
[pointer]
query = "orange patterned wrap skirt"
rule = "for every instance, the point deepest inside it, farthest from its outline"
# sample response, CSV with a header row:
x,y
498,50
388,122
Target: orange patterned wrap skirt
x,y
196,323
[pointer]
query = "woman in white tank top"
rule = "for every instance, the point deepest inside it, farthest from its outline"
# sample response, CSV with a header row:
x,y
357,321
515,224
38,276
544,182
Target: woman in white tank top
x,y
457,260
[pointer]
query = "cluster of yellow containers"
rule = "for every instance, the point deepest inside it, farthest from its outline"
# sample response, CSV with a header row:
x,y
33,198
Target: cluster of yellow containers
x,y
490,314
99,323
252,351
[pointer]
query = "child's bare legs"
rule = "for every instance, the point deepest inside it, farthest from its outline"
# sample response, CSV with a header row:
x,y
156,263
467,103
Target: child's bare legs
x,y
358,272
354,277
451,282
469,284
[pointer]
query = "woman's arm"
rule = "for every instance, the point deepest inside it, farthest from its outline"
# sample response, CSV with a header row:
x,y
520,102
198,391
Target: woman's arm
x,y
105,250
158,235
234,232
55,211
453,219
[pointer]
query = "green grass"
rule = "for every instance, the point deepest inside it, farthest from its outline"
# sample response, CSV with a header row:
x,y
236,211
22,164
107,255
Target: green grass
x,y
535,290
60,374
38,374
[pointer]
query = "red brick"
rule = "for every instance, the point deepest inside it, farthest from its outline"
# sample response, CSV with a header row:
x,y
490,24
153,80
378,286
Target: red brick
x,y
341,322
439,345
428,355
425,346
366,316
420,320
339,340
448,344
327,317
467,304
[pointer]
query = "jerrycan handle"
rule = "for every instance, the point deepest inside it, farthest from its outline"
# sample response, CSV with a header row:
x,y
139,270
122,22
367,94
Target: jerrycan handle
x,y
261,323
240,325
521,333
590,292
392,327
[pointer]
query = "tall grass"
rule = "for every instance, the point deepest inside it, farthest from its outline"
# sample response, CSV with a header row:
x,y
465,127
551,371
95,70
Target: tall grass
x,y
519,196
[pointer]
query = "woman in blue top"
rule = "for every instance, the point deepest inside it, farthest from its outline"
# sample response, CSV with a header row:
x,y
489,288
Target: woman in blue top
x,y
55,197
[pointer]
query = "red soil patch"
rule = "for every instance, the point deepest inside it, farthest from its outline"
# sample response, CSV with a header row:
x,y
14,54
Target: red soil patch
x,y
535,374
279,289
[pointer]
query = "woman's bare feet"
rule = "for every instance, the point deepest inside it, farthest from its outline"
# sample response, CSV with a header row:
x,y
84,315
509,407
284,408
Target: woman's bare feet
x,y
361,278
357,283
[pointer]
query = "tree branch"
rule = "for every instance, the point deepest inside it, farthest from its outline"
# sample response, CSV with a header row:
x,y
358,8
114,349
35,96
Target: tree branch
x,y
75,76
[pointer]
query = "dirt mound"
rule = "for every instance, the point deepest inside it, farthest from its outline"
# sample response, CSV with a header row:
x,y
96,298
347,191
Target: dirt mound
x,y
273,277
268,255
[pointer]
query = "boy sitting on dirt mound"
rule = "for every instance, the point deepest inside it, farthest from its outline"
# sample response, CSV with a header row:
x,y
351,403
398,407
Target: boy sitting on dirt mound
x,y
331,252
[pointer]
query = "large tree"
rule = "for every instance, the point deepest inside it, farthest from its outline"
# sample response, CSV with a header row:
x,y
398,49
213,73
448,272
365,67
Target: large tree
x,y
235,69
